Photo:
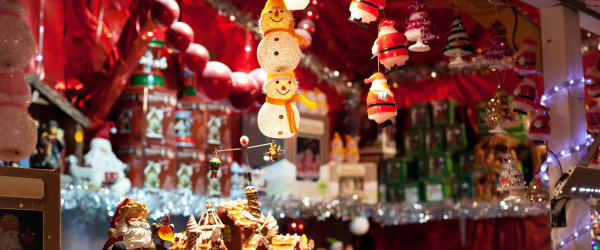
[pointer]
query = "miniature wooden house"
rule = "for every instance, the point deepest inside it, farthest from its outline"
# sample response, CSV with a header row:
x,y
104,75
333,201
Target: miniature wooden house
x,y
48,105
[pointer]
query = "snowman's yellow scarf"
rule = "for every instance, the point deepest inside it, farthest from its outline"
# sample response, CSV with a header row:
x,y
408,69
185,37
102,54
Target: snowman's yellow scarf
x,y
289,112
299,38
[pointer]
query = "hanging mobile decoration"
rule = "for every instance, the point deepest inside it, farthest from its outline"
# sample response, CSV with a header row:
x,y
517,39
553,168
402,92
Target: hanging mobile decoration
x,y
279,116
539,127
498,50
381,106
418,27
390,47
511,178
458,44
499,111
525,61
278,51
274,152
244,143
215,164
364,12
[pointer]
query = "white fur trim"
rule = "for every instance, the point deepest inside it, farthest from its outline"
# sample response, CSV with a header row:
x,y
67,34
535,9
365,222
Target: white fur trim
x,y
101,143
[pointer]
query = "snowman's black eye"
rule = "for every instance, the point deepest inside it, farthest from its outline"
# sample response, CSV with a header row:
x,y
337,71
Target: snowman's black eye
x,y
281,11
290,82
270,11
276,82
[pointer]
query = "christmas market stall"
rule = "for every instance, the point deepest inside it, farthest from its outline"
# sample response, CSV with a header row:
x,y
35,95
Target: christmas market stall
x,y
299,124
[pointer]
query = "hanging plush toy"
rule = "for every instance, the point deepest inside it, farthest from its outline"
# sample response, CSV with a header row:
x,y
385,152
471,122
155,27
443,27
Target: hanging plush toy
x,y
390,46
525,58
592,116
365,11
278,51
16,40
525,96
279,117
539,127
380,101
215,164
593,73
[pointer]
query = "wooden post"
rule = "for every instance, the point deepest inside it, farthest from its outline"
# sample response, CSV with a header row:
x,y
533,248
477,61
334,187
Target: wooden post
x,y
562,60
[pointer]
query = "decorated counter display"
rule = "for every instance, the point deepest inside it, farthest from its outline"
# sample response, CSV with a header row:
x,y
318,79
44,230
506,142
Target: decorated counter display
x,y
357,124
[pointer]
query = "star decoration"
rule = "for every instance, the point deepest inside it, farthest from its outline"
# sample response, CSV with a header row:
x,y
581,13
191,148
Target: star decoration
x,y
21,205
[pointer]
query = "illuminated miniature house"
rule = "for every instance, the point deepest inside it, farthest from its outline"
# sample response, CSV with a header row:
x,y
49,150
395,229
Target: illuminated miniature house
x,y
247,228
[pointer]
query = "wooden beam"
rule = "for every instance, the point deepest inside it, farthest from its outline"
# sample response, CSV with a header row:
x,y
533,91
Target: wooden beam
x,y
56,99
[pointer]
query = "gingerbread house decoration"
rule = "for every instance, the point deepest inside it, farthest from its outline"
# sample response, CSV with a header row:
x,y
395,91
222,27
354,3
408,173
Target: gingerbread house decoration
x,y
249,229
204,235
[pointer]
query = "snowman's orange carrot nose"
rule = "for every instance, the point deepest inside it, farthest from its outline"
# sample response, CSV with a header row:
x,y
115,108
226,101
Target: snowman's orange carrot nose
x,y
283,88
276,13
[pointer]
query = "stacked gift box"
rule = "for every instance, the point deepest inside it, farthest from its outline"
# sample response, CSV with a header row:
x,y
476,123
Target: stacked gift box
x,y
436,161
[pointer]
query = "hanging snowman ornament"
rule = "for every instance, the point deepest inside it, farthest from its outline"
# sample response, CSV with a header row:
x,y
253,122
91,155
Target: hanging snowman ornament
x,y
525,59
364,12
279,116
278,51
380,101
390,46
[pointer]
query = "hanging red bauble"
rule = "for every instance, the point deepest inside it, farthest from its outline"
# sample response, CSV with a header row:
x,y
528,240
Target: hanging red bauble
x,y
307,38
307,25
311,13
296,226
179,36
259,76
194,58
215,82
243,92
164,12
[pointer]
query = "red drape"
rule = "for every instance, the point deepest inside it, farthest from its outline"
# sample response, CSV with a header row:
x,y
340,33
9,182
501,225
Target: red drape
x,y
501,233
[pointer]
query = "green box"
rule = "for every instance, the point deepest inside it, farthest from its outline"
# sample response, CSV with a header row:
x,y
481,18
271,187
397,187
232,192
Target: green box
x,y
395,192
413,192
435,140
420,115
443,112
436,190
401,170
456,137
464,161
481,111
439,165
463,187
414,143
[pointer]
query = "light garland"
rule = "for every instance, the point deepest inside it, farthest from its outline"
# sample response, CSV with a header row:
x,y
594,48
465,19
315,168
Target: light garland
x,y
98,205
551,92
573,237
564,153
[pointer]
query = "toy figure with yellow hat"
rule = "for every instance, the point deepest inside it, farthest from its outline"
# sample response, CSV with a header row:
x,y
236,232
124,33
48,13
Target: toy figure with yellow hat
x,y
279,116
352,153
380,101
278,51
337,151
